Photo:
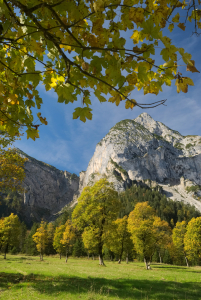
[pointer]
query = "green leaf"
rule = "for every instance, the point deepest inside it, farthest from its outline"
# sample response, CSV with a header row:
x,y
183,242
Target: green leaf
x,y
165,54
82,113
97,93
32,133
39,101
30,103
142,73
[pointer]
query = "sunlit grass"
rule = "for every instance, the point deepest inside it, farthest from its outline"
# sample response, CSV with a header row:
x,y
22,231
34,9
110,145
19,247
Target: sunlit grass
x,y
25,277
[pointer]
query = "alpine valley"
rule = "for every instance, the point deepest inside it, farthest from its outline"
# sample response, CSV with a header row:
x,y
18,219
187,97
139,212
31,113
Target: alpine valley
x,y
140,152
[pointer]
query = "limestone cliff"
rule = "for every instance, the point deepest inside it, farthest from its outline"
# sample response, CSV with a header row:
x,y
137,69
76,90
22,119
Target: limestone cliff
x,y
47,189
148,152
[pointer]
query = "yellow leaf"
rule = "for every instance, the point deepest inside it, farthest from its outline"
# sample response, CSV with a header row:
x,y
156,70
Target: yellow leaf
x,y
54,82
135,37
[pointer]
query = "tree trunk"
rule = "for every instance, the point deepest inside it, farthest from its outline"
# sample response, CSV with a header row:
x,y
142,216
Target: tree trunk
x,y
101,262
41,256
119,261
160,257
127,258
187,261
111,257
146,263
93,256
60,255
88,255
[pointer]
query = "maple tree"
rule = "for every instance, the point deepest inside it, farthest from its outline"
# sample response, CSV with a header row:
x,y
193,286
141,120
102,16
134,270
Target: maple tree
x,y
178,234
40,238
140,225
192,239
68,237
148,232
163,236
50,237
58,235
98,206
78,48
9,232
90,238
118,239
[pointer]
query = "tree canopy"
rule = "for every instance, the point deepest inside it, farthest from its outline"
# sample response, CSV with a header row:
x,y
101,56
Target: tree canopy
x,y
80,47
98,206
9,232
12,171
40,238
192,239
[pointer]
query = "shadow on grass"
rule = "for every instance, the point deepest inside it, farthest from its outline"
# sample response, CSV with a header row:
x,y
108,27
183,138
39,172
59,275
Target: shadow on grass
x,y
120,288
19,259
175,268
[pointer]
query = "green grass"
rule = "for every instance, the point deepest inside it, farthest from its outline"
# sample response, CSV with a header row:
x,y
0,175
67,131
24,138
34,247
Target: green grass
x,y
24,277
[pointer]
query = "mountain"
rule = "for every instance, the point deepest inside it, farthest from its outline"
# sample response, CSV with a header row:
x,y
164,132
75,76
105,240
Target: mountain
x,y
144,151
46,190
140,151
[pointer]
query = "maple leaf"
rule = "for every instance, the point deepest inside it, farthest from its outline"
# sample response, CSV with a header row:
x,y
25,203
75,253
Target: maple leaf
x,y
191,66
32,133
82,113
182,26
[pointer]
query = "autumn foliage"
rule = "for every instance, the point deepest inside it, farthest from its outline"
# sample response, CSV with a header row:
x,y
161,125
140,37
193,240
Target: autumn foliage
x,y
12,171
95,221
79,49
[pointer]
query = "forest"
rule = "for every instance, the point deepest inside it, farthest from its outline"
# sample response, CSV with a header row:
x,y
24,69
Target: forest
x,y
139,223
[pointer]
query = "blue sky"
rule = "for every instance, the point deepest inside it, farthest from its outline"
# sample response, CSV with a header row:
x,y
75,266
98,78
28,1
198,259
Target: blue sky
x,y
69,144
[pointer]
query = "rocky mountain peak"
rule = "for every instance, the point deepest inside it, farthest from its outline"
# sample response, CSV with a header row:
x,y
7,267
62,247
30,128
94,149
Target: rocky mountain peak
x,y
144,150
158,127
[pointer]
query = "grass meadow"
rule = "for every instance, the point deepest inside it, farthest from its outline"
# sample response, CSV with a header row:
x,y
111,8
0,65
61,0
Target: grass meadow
x,y
27,278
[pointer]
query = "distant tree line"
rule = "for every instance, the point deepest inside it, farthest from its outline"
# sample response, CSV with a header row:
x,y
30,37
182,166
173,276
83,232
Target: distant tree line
x,y
139,223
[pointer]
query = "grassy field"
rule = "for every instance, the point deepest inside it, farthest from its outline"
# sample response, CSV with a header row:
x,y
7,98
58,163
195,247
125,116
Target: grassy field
x,y
26,278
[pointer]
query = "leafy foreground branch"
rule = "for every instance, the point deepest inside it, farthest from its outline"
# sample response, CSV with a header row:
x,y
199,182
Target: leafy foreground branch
x,y
77,48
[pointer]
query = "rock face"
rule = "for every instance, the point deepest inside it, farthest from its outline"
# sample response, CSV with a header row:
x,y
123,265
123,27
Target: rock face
x,y
148,152
47,189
